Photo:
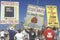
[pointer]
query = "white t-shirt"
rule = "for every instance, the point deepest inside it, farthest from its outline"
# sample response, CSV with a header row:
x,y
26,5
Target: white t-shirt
x,y
26,35
19,36
2,33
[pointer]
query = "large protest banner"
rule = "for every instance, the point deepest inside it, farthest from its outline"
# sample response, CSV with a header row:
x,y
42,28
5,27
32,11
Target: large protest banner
x,y
36,13
9,12
52,16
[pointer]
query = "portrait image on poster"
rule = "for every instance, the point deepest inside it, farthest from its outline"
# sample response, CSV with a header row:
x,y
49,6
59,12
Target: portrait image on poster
x,y
9,11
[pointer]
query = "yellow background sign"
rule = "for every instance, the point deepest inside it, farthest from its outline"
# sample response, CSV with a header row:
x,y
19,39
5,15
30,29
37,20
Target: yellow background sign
x,y
52,17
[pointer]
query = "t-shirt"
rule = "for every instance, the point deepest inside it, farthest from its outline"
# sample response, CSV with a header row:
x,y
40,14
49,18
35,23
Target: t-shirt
x,y
49,34
26,35
11,34
32,35
19,36
2,33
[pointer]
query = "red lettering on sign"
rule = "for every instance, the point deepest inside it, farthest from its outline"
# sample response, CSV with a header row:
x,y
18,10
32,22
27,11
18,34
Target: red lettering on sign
x,y
9,3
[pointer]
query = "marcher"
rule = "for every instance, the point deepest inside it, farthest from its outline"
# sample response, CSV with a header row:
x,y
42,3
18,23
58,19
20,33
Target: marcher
x,y
59,34
40,34
32,34
56,32
26,35
19,35
11,33
2,34
49,34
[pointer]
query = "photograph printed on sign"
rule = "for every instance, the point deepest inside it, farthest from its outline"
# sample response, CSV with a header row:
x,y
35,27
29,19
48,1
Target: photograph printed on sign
x,y
9,11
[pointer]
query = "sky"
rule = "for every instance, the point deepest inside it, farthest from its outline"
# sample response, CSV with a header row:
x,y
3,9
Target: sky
x,y
24,3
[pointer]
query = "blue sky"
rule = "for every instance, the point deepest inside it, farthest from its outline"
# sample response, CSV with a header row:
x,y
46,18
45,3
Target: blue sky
x,y
24,3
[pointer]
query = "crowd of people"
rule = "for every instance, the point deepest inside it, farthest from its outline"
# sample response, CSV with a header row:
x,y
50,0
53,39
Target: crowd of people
x,y
47,33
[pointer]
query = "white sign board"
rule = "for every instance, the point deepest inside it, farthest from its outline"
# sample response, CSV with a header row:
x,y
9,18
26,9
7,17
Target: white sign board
x,y
9,12
35,11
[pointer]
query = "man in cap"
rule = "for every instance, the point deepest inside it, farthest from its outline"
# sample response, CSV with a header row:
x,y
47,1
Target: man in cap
x,y
11,33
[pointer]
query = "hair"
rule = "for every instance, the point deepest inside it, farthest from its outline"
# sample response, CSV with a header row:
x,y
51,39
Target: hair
x,y
49,27
19,30
2,30
54,28
31,29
